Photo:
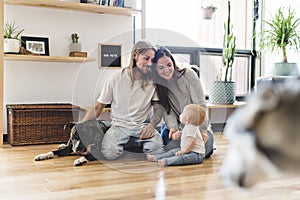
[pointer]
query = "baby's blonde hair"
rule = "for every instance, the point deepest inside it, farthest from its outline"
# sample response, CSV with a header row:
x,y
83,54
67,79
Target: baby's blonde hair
x,y
195,114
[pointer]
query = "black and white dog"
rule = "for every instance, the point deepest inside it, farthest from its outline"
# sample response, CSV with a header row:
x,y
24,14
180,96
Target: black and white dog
x,y
264,136
85,139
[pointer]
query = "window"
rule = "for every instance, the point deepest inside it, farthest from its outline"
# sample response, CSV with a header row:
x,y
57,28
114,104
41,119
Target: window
x,y
210,60
185,17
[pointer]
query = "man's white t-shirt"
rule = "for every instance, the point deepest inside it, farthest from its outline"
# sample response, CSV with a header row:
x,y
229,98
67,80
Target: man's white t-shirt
x,y
130,104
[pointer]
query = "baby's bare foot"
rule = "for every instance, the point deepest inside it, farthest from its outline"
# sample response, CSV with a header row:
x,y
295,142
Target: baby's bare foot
x,y
150,157
161,163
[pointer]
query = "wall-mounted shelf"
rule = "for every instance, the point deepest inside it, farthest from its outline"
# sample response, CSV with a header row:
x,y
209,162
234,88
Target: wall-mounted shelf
x,y
49,4
83,7
17,57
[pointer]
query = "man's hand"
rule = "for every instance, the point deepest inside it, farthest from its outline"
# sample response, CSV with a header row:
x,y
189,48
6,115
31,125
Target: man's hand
x,y
178,153
147,132
174,134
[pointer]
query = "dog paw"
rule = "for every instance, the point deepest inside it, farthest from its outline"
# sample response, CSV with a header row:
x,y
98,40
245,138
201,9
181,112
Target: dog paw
x,y
44,156
61,146
80,161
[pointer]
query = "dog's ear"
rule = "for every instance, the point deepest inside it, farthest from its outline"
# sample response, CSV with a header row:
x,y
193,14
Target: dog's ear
x,y
69,125
269,99
265,101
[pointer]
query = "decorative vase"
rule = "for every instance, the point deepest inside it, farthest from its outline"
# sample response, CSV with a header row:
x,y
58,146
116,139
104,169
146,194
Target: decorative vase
x,y
222,92
11,45
285,69
207,13
75,47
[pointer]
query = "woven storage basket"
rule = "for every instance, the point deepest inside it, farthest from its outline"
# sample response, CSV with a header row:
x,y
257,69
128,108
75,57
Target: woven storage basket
x,y
39,123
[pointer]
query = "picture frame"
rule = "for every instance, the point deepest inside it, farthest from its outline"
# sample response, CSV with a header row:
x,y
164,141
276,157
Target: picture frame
x,y
36,45
110,55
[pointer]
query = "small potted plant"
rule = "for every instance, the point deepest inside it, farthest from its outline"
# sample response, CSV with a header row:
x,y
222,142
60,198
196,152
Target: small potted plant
x,y
12,37
223,90
208,12
75,46
279,35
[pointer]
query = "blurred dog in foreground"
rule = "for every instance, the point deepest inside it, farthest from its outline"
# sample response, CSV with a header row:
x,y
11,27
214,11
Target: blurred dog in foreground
x,y
264,136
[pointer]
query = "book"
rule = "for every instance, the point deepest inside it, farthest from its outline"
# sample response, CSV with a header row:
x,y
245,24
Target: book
x,y
104,2
78,54
121,3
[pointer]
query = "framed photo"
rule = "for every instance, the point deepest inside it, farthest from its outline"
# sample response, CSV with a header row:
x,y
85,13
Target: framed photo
x,y
110,55
36,45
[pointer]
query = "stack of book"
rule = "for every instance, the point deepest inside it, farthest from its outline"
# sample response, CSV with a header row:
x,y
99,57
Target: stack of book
x,y
119,3
78,54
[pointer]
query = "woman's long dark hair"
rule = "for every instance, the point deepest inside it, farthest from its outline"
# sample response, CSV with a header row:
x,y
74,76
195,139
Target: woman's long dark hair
x,y
162,87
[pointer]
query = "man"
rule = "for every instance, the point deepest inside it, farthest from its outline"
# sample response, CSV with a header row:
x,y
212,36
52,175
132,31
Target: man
x,y
130,92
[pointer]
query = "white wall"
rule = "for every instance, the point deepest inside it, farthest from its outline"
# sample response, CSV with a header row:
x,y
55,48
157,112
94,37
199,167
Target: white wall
x,y
182,25
185,18
59,82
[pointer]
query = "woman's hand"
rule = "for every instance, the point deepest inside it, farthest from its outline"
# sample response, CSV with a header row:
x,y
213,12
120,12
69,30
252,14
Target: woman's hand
x,y
174,134
147,132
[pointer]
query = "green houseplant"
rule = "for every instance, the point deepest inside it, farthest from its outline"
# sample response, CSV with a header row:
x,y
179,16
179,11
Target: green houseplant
x,y
74,37
75,46
279,35
12,37
223,90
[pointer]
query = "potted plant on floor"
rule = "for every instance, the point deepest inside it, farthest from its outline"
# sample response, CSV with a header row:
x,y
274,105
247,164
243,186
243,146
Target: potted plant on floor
x,y
223,90
279,35
12,37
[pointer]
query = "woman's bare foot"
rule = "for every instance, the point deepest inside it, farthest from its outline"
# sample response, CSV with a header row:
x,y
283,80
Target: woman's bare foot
x,y
150,157
161,163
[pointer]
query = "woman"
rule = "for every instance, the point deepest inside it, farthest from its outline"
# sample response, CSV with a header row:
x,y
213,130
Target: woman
x,y
177,88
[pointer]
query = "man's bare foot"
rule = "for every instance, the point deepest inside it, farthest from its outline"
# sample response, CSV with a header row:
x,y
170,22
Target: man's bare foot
x,y
161,163
150,157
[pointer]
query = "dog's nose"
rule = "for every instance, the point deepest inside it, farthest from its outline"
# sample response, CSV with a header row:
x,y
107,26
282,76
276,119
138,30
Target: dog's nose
x,y
241,180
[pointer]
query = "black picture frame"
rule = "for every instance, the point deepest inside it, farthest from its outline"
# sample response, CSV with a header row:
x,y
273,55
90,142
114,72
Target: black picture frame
x,y
110,55
36,45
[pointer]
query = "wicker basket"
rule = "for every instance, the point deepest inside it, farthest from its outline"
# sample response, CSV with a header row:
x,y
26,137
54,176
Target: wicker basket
x,y
39,123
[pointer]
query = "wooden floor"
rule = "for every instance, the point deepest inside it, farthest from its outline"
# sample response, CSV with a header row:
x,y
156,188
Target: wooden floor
x,y
23,178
